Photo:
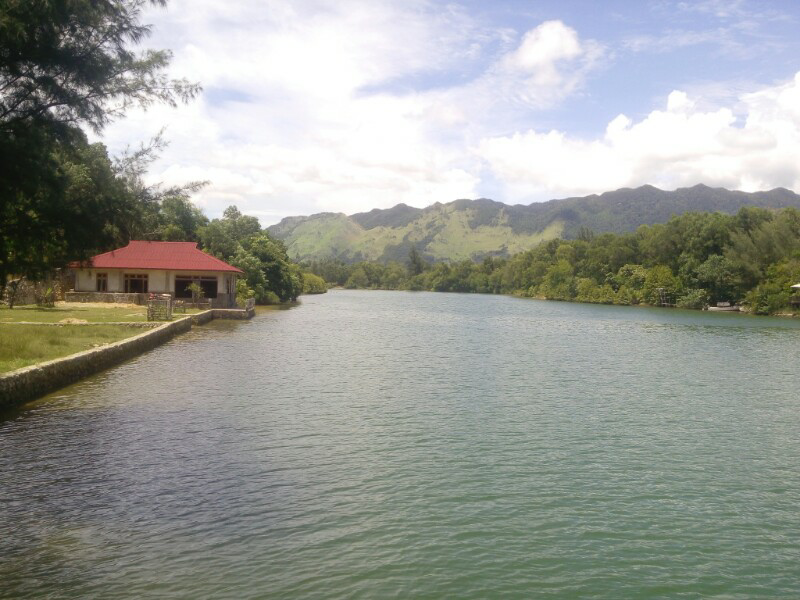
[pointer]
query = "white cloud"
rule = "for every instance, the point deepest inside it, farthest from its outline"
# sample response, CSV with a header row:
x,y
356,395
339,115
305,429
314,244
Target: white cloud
x,y
305,108
678,146
550,63
311,105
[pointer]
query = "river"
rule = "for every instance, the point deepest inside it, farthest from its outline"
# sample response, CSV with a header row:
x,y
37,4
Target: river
x,y
398,444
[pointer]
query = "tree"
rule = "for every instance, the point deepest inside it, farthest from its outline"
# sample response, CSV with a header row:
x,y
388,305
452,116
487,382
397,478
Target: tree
x,y
197,292
223,237
157,213
69,62
416,264
66,64
718,276
358,279
63,209
275,265
180,220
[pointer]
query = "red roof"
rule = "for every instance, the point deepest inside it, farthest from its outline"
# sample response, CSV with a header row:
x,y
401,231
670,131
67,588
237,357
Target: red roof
x,y
174,256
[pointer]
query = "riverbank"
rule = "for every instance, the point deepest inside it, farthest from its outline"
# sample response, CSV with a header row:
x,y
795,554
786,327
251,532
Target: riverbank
x,y
28,383
31,334
26,344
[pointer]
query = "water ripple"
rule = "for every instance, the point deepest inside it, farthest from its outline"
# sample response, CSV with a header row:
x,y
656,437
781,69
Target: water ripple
x,y
401,445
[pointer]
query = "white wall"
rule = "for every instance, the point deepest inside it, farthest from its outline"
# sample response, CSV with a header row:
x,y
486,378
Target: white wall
x,y
159,281
84,281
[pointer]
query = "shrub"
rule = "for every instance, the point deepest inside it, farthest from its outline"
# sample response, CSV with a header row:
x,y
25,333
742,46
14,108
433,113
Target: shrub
x,y
314,284
693,298
270,297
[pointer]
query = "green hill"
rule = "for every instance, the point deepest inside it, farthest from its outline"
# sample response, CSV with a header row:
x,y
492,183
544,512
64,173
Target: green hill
x,y
472,229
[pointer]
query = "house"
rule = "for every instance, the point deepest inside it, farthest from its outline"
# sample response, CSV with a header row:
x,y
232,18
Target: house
x,y
141,268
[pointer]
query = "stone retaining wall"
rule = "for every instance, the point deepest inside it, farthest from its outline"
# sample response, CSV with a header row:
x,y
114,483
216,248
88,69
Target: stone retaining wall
x,y
28,383
234,313
222,313
202,317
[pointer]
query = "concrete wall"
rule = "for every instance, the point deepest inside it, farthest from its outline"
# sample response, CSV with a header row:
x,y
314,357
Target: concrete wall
x,y
28,383
158,281
233,313
222,313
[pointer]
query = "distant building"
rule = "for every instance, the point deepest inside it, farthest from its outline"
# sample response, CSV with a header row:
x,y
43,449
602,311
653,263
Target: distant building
x,y
141,268
795,299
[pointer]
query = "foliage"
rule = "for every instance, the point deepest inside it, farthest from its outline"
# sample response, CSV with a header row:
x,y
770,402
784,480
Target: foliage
x,y
243,293
772,294
67,62
314,284
692,260
239,240
197,292
416,264
63,65
694,298
270,297
45,292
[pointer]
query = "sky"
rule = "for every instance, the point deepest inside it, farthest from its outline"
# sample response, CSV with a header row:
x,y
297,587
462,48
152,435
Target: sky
x,y
311,106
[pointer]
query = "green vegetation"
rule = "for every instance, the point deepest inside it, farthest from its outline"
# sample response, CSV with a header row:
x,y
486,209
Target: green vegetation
x,y
68,66
88,313
91,313
24,345
694,259
314,284
196,291
475,229
269,274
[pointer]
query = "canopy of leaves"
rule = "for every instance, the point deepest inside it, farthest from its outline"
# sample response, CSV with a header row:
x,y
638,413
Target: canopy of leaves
x,y
692,260
69,62
66,64
239,240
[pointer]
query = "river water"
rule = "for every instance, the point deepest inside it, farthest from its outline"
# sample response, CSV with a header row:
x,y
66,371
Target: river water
x,y
391,444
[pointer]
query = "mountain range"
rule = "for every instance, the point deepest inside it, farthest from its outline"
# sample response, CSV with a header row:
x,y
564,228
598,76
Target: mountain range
x,y
472,229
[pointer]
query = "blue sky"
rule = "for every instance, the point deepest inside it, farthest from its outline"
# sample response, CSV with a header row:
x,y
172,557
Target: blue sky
x,y
345,106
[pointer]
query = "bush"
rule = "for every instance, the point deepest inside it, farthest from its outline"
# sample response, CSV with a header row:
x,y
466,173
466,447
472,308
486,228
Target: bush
x,y
243,293
358,280
270,297
693,298
314,284
768,298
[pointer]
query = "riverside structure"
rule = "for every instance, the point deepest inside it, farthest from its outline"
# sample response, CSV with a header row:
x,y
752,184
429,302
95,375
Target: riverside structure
x,y
130,273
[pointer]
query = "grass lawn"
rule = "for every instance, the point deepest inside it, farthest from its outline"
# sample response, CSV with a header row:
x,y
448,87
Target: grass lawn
x,y
24,345
90,312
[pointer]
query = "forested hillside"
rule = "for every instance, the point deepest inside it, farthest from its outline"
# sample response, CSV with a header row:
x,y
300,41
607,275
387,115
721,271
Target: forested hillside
x,y
693,260
474,229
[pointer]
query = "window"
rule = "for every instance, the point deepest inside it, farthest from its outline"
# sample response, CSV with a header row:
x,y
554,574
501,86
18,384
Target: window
x,y
102,282
135,284
207,284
